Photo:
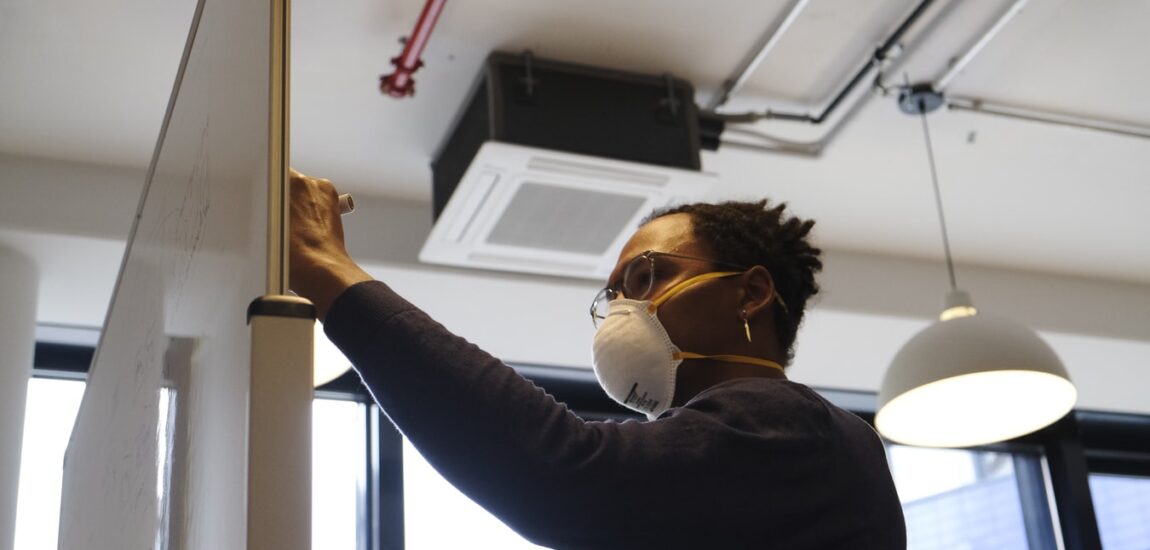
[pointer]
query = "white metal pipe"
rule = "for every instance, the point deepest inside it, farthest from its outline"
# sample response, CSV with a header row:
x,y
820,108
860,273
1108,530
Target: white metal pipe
x,y
812,152
943,81
752,62
768,138
1047,117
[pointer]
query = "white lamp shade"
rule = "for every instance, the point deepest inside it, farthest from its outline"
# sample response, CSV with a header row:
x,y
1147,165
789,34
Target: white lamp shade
x,y
972,381
330,363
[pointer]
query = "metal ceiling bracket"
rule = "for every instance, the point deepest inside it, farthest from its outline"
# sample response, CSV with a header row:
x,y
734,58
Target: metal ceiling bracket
x,y
919,99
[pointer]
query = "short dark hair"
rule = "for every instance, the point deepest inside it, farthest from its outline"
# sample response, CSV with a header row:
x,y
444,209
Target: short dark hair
x,y
758,233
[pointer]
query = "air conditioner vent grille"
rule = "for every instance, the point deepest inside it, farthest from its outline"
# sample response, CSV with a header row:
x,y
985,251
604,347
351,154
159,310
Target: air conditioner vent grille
x,y
556,218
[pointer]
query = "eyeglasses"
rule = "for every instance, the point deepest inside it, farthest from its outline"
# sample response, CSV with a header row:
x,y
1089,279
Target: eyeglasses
x,y
640,278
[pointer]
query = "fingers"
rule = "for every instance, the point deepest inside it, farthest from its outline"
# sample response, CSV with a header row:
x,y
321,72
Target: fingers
x,y
303,186
299,178
315,229
319,193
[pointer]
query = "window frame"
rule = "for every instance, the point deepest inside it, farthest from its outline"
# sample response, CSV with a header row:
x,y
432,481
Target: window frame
x,y
71,361
1081,443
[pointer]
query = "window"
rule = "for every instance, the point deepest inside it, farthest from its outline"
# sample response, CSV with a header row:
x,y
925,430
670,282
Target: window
x,y
48,419
1122,507
339,454
437,515
969,499
339,462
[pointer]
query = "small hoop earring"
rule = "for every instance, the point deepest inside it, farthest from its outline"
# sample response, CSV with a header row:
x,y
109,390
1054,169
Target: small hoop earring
x,y
746,326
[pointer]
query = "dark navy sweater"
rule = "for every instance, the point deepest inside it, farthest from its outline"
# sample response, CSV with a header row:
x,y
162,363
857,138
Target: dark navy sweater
x,y
749,463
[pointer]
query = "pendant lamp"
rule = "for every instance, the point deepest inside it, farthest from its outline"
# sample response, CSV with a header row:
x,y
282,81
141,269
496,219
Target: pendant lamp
x,y
970,378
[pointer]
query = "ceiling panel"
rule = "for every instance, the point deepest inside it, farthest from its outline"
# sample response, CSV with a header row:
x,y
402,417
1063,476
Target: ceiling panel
x,y
826,46
1074,57
89,82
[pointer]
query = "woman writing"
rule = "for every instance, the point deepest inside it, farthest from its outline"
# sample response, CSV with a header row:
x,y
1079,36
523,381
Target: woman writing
x,y
694,329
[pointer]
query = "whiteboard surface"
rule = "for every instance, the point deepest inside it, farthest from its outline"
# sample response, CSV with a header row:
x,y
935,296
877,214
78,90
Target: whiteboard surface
x,y
157,457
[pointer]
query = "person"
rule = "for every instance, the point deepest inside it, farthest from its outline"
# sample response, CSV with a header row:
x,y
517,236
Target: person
x,y
695,326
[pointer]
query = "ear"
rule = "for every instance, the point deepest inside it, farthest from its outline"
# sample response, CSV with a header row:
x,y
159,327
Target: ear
x,y
758,290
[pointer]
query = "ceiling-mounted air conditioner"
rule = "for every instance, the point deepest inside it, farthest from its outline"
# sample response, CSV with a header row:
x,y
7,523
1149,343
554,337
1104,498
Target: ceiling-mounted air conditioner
x,y
550,166
549,212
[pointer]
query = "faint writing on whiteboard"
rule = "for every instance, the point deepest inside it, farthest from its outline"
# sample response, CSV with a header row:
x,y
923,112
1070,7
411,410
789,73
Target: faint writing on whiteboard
x,y
184,219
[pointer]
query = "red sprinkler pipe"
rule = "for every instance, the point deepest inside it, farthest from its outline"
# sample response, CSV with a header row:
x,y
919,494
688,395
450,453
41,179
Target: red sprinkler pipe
x,y
400,83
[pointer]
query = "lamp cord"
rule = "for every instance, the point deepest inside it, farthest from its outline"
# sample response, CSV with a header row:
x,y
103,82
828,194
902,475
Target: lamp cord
x,y
937,194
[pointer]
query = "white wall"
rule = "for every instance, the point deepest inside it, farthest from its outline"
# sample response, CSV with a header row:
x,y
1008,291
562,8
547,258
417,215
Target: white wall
x,y
870,304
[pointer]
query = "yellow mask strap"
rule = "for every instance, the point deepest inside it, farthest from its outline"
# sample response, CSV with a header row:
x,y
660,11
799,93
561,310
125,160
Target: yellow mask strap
x,y
689,282
730,359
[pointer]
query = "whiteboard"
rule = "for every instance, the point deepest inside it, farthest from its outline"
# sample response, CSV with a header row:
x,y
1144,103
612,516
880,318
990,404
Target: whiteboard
x,y
158,455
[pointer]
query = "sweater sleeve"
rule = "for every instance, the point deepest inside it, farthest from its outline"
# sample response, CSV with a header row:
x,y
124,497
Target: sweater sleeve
x,y
702,475
493,434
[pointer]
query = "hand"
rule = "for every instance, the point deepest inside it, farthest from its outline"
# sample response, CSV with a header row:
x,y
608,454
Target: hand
x,y
320,267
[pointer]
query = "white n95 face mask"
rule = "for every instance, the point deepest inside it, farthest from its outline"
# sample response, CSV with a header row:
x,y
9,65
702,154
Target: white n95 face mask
x,y
635,360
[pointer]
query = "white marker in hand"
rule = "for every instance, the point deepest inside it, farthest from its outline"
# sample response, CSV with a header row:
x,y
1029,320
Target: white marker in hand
x,y
346,204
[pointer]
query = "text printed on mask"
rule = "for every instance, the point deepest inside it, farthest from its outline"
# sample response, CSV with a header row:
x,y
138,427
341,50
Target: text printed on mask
x,y
640,402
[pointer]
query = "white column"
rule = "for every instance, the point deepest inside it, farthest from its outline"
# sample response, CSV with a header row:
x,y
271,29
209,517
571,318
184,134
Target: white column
x,y
19,281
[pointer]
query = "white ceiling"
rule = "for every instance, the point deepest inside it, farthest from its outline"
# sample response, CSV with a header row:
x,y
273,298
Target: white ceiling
x,y
88,82
1046,222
